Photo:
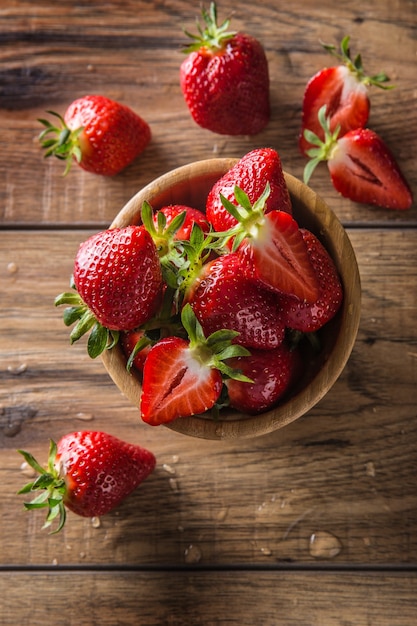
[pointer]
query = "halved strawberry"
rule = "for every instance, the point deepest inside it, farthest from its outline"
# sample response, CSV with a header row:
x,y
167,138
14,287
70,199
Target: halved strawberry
x,y
361,166
310,317
224,297
183,377
251,173
344,91
272,373
271,248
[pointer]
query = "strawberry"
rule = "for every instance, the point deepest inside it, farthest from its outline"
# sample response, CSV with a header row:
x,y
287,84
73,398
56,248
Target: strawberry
x,y
135,345
225,79
223,297
361,166
192,216
272,372
183,377
344,91
88,472
310,317
251,173
118,278
103,136
271,247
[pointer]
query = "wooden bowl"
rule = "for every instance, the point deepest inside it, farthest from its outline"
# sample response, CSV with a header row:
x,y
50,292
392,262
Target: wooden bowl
x,y
190,185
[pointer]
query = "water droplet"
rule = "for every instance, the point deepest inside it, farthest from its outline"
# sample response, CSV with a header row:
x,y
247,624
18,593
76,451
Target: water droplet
x,y
180,529
12,268
168,468
27,470
324,545
266,551
84,417
173,483
222,514
95,522
54,561
17,369
370,469
12,429
192,554
175,458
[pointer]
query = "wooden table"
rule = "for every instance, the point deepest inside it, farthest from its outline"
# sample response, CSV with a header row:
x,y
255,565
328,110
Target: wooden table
x,y
313,525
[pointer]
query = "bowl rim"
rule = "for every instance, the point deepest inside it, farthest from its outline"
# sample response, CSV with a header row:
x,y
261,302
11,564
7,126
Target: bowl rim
x,y
299,404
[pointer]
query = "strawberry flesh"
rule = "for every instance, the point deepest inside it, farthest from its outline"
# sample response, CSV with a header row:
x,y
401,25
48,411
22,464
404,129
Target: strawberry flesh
x,y
176,383
363,169
277,256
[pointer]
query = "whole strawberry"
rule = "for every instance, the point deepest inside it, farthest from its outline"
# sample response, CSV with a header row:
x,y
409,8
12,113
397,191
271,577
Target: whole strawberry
x,y
89,472
102,135
251,173
118,281
225,79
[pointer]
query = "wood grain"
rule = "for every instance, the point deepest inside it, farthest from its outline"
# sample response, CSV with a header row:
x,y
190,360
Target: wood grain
x,y
347,468
189,598
132,51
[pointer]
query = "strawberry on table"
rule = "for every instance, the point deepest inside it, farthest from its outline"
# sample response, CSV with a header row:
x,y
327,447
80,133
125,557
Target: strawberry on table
x,y
344,90
251,174
183,377
225,79
88,472
223,297
361,166
101,135
118,281
310,317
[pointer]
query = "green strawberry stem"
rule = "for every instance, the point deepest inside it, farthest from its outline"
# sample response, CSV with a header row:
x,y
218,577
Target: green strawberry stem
x,y
216,348
323,150
60,141
51,486
213,36
355,65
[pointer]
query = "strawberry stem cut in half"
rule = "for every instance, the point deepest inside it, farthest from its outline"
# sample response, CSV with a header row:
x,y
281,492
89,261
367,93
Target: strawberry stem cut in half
x,y
361,166
271,247
184,377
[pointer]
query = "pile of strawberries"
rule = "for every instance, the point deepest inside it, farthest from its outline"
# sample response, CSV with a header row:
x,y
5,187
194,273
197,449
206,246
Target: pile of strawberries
x,y
213,309
209,307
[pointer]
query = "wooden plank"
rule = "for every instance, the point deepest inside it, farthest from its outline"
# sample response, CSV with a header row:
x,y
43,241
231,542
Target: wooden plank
x,y
347,469
131,51
188,598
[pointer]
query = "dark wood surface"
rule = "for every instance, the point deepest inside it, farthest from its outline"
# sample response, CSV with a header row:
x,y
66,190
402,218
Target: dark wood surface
x,y
313,525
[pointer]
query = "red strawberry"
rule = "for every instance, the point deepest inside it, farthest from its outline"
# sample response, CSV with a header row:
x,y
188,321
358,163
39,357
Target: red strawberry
x,y
183,377
225,79
118,275
344,91
272,372
102,135
307,317
89,472
271,248
135,346
223,297
361,166
251,173
192,216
